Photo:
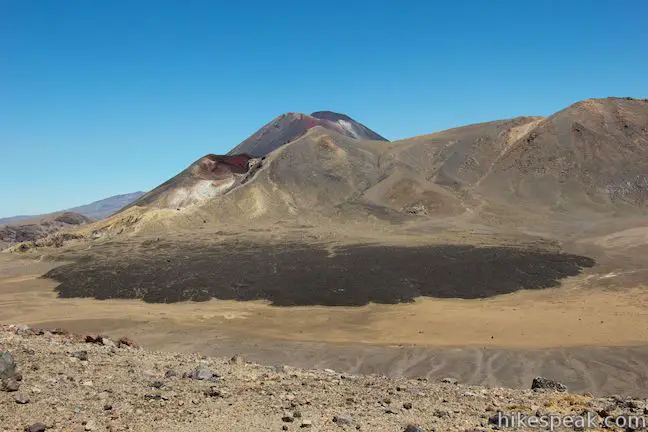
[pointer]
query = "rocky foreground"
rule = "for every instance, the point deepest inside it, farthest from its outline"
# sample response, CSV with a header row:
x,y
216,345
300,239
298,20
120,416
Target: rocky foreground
x,y
54,381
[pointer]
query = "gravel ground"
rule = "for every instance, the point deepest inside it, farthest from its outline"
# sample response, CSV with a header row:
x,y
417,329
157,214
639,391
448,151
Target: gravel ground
x,y
65,382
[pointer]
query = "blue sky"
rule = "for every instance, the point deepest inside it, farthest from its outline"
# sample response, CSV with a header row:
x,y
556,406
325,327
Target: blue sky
x,y
105,97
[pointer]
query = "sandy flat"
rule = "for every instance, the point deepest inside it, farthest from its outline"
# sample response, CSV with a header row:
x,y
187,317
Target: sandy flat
x,y
575,332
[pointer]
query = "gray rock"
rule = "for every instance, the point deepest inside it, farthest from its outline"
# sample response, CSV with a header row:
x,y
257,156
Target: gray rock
x,y
306,424
9,385
216,392
36,427
201,373
81,355
441,413
21,399
546,384
155,396
342,420
407,405
24,330
413,428
7,365
170,373
449,380
157,384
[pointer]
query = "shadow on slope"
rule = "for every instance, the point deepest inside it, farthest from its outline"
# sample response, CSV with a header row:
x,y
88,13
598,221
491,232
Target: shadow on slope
x,y
289,275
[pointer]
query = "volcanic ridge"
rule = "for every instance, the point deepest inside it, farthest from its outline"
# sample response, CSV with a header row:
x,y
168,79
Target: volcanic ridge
x,y
471,207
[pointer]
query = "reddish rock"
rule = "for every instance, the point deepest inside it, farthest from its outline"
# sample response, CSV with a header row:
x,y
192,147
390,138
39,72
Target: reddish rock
x,y
125,341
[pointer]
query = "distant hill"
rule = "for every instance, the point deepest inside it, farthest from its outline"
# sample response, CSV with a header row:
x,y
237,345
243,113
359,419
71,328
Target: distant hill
x,y
106,207
96,210
34,228
17,229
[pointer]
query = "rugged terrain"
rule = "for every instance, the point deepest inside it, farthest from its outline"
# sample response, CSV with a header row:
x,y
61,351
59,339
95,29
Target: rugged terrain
x,y
66,382
442,215
30,230
95,210
497,251
572,170
19,229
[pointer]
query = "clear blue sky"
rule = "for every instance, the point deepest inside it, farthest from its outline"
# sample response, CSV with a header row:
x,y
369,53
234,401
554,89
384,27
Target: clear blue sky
x,y
105,97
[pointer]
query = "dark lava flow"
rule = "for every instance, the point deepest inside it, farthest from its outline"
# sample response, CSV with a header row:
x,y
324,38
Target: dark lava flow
x,y
289,275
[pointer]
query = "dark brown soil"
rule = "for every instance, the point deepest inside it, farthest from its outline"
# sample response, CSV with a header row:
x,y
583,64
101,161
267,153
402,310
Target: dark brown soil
x,y
294,274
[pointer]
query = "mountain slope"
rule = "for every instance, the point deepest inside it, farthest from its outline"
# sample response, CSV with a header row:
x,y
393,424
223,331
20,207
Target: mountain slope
x,y
287,127
39,227
592,156
207,177
593,153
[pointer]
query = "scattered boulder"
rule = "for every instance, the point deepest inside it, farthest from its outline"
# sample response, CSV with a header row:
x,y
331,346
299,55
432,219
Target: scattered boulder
x,y
306,424
413,428
546,384
81,355
36,427
155,396
7,365
94,338
407,405
126,342
21,399
157,384
215,392
10,385
449,380
342,420
440,413
201,373
9,376
24,330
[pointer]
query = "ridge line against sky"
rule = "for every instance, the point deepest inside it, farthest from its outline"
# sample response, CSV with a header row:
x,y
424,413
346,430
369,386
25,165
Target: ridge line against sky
x,y
103,98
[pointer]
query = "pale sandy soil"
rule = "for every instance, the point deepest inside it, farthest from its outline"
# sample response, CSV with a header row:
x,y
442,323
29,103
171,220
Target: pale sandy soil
x,y
572,315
